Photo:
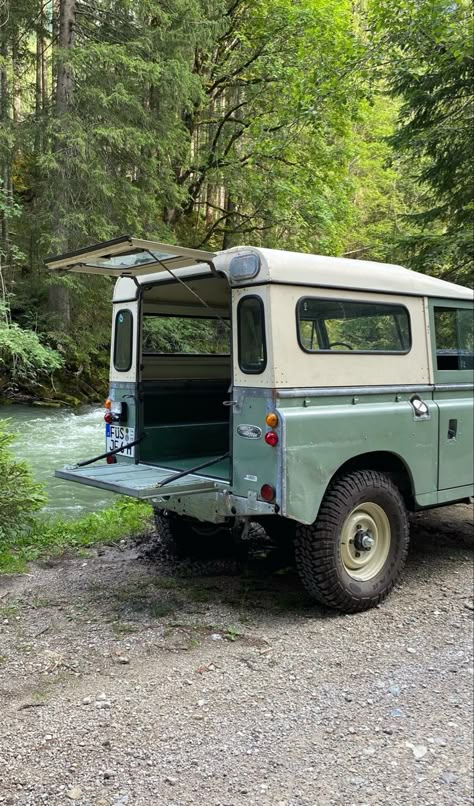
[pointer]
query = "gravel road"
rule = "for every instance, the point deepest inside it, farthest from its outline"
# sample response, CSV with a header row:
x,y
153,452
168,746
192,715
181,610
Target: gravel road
x,y
128,679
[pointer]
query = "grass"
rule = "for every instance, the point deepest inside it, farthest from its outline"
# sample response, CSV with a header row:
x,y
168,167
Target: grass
x,y
45,538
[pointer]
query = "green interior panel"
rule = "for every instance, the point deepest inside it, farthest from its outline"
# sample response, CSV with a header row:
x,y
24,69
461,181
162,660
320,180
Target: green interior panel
x,y
185,423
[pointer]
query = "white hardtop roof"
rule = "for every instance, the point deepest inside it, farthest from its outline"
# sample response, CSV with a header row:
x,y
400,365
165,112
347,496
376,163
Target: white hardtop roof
x,y
297,268
139,262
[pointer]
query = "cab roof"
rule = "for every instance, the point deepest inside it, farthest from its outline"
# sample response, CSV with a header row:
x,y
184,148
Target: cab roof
x,y
296,268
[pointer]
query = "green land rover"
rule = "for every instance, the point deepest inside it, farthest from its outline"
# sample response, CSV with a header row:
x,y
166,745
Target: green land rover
x,y
320,397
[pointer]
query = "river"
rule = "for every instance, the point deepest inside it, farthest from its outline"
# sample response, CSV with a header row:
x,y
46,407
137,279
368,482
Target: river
x,y
50,438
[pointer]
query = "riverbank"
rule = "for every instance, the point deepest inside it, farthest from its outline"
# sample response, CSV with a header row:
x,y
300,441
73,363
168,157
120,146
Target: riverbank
x,y
53,537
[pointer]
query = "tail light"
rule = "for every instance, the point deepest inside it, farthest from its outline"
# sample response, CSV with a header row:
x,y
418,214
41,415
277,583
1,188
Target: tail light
x,y
267,492
111,460
271,438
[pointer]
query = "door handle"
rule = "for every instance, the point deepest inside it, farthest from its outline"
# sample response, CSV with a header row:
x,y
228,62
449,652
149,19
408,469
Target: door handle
x,y
452,429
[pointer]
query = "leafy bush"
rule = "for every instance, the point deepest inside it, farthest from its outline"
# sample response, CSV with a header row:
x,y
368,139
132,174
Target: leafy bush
x,y
20,496
23,358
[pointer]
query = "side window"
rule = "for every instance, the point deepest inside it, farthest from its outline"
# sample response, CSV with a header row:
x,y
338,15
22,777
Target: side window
x,y
252,350
331,325
123,340
454,338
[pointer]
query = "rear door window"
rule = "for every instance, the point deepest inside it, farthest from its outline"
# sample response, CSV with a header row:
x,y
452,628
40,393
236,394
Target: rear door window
x,y
252,349
123,340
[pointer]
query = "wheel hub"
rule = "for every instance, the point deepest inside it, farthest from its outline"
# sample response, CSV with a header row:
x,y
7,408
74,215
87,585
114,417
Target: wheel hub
x,y
365,541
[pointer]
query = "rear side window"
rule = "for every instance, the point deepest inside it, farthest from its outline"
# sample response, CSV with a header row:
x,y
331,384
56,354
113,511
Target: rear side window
x,y
345,326
252,348
123,340
454,338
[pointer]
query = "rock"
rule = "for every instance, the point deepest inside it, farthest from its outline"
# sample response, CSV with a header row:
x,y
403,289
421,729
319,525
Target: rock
x,y
108,774
216,636
448,778
101,697
348,698
469,605
411,650
395,691
87,700
123,659
396,712
419,750
75,793
171,781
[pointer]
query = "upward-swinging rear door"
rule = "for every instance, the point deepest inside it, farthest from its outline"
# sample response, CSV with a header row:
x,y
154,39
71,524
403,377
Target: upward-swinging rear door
x,y
129,257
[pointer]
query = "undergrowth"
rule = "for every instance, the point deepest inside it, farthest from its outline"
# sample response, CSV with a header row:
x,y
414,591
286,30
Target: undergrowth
x,y
52,537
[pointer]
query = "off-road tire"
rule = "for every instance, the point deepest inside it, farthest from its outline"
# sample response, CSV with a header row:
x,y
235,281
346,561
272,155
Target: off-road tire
x,y
318,547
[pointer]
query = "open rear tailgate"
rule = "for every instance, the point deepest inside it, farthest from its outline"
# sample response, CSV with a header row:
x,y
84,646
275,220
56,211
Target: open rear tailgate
x,y
139,481
128,257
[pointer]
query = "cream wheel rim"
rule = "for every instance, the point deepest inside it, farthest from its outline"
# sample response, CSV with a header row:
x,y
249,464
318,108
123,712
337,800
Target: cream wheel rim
x,y
365,541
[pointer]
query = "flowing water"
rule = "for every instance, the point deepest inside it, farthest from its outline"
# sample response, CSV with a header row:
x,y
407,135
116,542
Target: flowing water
x,y
51,438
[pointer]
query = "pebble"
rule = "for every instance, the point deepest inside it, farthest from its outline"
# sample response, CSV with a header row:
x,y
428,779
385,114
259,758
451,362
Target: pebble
x,y
87,700
171,781
75,793
395,691
419,750
396,712
216,636
448,778
411,650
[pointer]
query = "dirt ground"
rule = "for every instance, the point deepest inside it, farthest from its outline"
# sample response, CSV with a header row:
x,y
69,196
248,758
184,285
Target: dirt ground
x,y
127,679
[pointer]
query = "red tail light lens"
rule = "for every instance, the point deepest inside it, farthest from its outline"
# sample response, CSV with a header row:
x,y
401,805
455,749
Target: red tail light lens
x,y
271,438
108,417
111,460
267,492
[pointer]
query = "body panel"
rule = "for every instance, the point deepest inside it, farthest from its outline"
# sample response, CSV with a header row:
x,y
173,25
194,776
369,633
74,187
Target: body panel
x,y
320,435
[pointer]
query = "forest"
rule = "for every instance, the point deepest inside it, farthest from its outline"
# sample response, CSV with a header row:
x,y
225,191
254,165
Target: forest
x,y
339,127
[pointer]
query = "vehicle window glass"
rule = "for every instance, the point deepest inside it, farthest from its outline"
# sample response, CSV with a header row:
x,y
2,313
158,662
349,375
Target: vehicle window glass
x,y
185,334
328,325
251,335
454,338
123,340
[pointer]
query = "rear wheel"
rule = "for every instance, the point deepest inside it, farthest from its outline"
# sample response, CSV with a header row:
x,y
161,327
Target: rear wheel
x,y
354,553
191,538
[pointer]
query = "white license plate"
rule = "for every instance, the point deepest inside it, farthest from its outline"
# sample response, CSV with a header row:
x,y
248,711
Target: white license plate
x,y
117,436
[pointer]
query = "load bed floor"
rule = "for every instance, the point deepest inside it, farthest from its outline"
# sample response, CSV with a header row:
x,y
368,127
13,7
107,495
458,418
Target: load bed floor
x,y
221,470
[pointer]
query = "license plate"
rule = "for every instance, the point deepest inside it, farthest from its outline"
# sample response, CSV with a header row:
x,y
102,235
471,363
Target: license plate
x,y
117,436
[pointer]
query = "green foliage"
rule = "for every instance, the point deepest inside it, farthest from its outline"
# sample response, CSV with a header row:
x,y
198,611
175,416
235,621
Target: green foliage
x,y
168,334
24,360
431,47
55,536
213,122
20,497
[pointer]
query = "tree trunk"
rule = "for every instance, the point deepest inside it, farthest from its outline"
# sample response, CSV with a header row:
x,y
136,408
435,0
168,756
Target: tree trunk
x,y
58,296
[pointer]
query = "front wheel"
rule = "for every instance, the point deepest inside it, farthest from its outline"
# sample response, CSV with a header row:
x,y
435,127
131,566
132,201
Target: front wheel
x,y
354,553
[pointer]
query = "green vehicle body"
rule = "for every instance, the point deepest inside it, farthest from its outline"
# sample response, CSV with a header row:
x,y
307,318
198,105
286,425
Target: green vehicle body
x,y
337,410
